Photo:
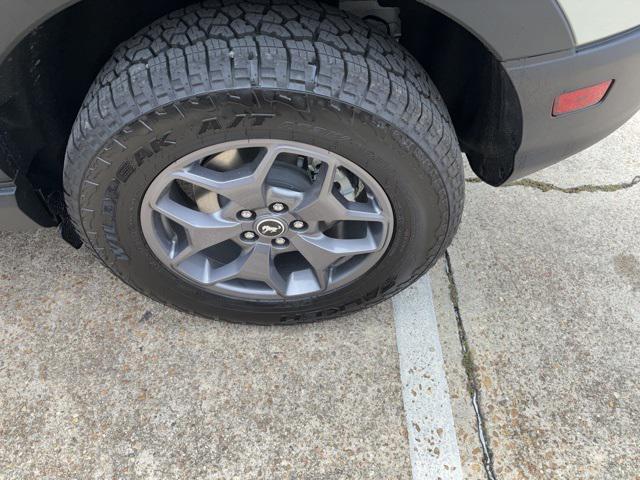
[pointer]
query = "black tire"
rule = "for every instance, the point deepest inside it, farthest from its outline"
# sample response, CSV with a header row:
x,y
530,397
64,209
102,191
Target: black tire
x,y
309,73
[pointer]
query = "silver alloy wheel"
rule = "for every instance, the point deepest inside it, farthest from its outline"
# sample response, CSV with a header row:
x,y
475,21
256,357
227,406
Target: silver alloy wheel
x,y
193,219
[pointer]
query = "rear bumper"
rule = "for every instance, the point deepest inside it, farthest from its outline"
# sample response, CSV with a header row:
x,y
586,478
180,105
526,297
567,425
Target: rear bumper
x,y
539,80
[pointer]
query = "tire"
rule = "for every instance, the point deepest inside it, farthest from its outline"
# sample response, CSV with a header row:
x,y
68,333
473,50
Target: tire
x,y
296,71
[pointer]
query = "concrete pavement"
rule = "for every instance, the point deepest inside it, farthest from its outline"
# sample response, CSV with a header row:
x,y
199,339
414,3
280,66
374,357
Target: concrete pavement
x,y
96,381
549,297
538,315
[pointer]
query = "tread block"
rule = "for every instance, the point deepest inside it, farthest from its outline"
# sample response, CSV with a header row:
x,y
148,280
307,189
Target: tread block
x,y
219,56
245,61
357,78
298,31
275,30
197,71
274,62
330,71
303,68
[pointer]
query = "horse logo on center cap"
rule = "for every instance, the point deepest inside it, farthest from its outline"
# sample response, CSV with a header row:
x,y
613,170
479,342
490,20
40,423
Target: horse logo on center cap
x,y
270,227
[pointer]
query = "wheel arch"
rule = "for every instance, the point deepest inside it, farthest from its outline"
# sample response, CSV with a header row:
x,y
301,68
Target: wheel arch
x,y
512,29
51,54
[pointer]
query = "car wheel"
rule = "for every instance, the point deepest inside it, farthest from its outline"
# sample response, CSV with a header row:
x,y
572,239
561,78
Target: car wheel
x,y
264,163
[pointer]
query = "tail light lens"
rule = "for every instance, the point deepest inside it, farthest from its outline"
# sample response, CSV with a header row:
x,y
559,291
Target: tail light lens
x,y
581,98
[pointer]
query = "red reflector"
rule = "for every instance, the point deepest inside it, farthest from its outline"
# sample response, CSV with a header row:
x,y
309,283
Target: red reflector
x,y
579,99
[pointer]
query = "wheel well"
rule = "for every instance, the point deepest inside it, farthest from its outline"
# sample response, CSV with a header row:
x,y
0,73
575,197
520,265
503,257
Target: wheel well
x,y
45,78
481,99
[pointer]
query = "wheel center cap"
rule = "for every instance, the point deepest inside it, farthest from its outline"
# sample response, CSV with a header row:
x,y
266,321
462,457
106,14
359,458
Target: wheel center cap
x,y
270,227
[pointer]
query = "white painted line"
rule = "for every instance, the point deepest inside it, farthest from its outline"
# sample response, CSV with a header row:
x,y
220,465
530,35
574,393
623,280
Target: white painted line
x,y
432,436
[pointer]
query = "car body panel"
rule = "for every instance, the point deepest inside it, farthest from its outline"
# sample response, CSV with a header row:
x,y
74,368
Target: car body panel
x,y
5,179
593,20
511,28
11,215
19,18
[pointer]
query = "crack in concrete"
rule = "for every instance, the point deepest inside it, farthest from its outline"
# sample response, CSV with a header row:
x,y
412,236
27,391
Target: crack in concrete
x,y
550,187
473,385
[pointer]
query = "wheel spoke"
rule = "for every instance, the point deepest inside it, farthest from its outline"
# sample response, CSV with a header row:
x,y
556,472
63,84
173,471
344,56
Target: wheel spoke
x,y
311,207
226,272
322,252
358,212
244,186
177,257
290,198
321,203
257,264
203,229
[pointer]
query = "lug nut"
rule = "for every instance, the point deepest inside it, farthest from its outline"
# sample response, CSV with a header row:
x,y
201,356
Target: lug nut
x,y
280,241
246,214
298,225
249,236
278,207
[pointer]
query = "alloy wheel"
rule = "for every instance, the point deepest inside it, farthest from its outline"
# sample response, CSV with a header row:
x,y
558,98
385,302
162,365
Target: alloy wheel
x,y
266,219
